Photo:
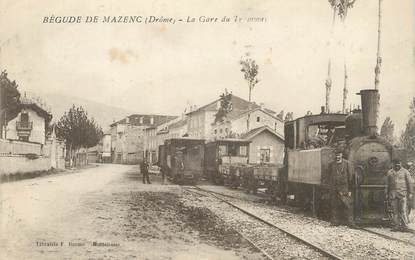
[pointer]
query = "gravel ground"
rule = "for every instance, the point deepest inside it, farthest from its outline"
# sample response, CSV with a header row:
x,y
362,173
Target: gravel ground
x,y
109,205
269,239
345,242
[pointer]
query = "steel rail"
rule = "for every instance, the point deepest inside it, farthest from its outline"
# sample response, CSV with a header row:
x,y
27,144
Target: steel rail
x,y
310,244
252,243
284,211
363,229
388,237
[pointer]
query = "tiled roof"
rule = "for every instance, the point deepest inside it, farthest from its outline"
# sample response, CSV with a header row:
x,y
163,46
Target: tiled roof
x,y
254,132
135,120
180,123
238,104
237,114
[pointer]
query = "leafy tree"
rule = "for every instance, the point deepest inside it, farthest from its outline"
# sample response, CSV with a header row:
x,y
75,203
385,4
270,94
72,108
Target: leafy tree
x,y
250,71
387,129
9,100
225,106
78,130
341,7
408,136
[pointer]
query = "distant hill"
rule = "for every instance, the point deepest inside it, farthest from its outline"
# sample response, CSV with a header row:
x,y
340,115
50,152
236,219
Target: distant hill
x,y
103,114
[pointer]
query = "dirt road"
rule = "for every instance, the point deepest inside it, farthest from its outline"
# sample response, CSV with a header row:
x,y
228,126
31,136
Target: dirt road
x,y
104,212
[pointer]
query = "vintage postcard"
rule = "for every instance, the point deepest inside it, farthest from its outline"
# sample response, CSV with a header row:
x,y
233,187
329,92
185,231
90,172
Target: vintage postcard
x,y
156,129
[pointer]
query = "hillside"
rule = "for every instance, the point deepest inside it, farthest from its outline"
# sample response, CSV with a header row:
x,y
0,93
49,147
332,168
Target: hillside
x,y
102,113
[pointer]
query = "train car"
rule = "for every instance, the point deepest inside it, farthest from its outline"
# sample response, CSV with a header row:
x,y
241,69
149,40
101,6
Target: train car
x,y
225,159
183,159
310,142
263,177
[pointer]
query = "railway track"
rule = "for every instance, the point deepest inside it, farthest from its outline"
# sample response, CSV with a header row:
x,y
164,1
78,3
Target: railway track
x,y
390,237
383,235
309,244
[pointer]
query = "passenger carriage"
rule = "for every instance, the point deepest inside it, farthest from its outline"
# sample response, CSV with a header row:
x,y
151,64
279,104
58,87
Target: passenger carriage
x,y
182,159
225,160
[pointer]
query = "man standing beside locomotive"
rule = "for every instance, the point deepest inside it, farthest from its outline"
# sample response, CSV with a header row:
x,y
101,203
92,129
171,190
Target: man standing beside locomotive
x,y
341,182
399,189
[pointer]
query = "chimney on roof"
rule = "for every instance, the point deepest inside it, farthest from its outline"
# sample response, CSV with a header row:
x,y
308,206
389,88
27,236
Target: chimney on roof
x,y
152,120
262,105
218,104
127,120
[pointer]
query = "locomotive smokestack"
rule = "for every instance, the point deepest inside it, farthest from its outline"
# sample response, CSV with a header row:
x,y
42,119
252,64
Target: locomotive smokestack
x,y
370,105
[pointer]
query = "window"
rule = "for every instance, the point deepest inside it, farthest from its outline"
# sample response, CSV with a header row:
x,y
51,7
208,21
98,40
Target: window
x,y
265,155
233,150
223,150
24,117
242,150
226,130
216,131
220,130
258,119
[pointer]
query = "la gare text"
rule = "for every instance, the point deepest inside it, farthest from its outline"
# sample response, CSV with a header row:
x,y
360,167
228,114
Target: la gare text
x,y
148,19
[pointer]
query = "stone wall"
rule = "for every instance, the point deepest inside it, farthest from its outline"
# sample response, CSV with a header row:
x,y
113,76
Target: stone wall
x,y
23,157
22,164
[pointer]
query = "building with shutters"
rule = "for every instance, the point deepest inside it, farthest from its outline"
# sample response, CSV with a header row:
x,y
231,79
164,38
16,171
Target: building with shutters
x,y
127,137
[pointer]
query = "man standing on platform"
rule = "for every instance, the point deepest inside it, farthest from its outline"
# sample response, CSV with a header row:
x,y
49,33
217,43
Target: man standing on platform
x,y
144,171
399,190
341,182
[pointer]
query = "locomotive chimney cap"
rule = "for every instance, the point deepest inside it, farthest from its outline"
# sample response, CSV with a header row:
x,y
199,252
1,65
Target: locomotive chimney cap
x,y
366,90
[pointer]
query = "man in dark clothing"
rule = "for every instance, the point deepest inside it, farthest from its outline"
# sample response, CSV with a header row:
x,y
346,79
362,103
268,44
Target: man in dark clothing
x,y
144,171
399,191
341,179
163,174
411,169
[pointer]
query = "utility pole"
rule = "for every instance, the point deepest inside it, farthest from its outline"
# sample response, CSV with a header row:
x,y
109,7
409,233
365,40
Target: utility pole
x,y
345,91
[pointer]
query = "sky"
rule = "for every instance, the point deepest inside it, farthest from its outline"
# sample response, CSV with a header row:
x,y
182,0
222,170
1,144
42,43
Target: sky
x,y
161,68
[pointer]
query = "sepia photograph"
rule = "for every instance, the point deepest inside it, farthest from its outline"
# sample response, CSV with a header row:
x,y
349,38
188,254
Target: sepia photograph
x,y
208,130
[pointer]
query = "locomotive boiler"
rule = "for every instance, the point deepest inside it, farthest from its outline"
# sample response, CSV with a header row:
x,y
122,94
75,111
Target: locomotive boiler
x,y
310,142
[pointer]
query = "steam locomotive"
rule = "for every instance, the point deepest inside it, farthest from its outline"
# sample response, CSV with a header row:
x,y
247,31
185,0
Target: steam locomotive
x,y
310,142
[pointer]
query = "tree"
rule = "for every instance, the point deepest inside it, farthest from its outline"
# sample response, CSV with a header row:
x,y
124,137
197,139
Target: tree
x,y
250,70
408,136
78,130
387,129
378,54
9,100
225,106
340,7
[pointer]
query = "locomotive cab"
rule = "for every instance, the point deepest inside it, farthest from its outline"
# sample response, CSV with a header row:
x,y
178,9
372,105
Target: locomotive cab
x,y
308,152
